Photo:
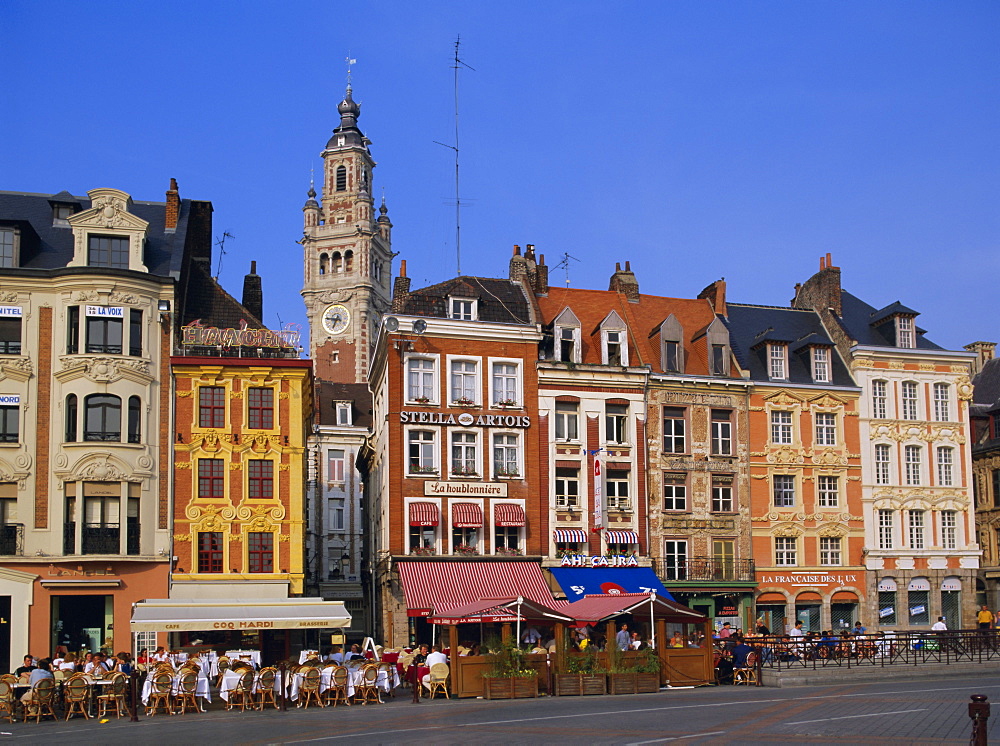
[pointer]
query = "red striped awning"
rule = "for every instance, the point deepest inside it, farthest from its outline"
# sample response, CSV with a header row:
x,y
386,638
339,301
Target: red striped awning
x,y
466,515
570,536
424,514
621,537
508,514
446,585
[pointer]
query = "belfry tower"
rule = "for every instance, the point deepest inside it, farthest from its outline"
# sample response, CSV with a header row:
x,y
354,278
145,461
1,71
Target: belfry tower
x,y
347,255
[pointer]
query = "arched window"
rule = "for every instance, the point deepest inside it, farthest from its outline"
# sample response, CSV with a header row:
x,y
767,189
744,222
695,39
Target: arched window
x,y
134,416
348,261
71,415
341,178
335,262
102,417
323,259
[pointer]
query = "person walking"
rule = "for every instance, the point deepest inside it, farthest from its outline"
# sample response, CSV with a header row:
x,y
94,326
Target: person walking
x,y
985,618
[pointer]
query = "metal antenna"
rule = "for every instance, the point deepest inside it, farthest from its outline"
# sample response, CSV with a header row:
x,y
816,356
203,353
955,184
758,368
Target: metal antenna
x,y
565,265
221,243
458,63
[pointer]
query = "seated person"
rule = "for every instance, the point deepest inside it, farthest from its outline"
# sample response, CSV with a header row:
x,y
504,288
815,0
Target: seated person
x,y
69,663
435,656
337,656
355,654
740,652
39,672
27,667
421,655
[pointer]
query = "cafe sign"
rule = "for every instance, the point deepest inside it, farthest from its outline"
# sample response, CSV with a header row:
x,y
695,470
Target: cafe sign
x,y
584,560
465,489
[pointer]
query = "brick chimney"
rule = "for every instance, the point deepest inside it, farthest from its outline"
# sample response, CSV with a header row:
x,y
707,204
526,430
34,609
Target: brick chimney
x,y
821,292
541,276
173,207
400,289
253,293
984,351
623,281
716,296
518,267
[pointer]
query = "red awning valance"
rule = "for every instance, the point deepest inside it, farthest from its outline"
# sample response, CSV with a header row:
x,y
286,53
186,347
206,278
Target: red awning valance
x,y
508,514
621,537
771,598
446,585
424,514
466,515
809,596
845,597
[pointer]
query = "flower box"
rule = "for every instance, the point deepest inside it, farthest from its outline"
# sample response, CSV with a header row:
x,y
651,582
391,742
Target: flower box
x,y
623,683
647,683
578,684
510,687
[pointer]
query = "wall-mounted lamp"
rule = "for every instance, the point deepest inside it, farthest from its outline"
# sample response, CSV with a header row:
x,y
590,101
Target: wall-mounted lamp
x,y
163,305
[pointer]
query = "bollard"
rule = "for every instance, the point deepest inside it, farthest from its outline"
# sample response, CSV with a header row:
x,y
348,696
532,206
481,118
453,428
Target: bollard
x,y
281,687
979,711
416,683
133,681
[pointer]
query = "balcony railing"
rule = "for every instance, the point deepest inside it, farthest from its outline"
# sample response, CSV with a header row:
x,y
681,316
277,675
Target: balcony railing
x,y
132,536
11,539
705,570
101,538
69,537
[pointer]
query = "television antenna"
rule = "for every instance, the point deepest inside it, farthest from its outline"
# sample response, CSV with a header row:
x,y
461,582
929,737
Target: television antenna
x,y
565,265
221,243
456,65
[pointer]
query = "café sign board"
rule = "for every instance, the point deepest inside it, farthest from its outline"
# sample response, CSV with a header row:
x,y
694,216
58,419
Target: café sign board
x,y
194,334
811,579
465,489
585,560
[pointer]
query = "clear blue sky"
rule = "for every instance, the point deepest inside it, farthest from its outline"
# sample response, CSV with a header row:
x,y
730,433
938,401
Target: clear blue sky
x,y
696,139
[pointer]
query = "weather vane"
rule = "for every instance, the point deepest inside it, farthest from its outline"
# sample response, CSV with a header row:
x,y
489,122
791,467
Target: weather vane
x,y
350,61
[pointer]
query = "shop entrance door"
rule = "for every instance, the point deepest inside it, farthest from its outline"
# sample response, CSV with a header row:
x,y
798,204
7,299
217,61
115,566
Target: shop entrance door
x,y
81,621
808,614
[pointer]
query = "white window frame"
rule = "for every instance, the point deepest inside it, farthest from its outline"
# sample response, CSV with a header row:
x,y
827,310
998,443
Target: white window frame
x,y
344,413
515,466
949,529
678,493
885,526
472,375
945,458
625,429
433,447
575,334
469,464
517,530
828,490
916,524
912,456
777,361
820,364
825,425
910,404
673,436
722,433
463,309
336,507
883,467
675,558
880,399
719,497
786,551
905,332
678,366
424,373
563,498
614,482
830,551
784,491
510,387
782,433
942,402
331,460
564,417
622,342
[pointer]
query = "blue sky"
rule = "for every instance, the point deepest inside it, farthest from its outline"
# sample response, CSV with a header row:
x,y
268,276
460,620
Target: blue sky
x,y
696,139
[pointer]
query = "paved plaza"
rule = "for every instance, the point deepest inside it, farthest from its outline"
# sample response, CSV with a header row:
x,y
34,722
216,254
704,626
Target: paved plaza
x,y
926,710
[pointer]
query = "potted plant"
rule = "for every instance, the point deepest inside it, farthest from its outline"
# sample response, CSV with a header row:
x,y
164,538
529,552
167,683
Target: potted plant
x,y
423,551
581,675
418,469
464,401
509,472
463,471
508,676
647,669
466,549
507,403
507,552
621,675
421,399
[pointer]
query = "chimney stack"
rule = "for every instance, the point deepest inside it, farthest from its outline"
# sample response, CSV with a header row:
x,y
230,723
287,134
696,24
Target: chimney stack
x,y
253,293
821,292
624,281
518,267
400,289
985,352
173,207
715,294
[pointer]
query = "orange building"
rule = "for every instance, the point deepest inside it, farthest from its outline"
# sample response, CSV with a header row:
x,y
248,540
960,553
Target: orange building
x,y
805,470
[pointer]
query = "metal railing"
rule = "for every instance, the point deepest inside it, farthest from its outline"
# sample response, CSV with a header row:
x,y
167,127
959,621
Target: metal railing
x,y
101,538
910,648
11,539
706,570
69,537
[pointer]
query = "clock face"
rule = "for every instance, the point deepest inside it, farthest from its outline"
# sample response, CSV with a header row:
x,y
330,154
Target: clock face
x,y
336,319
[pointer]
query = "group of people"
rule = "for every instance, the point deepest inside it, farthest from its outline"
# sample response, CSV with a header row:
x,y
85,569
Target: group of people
x,y
95,664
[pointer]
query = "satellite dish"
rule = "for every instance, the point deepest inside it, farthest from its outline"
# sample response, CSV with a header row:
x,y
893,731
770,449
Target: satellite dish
x,y
419,326
391,323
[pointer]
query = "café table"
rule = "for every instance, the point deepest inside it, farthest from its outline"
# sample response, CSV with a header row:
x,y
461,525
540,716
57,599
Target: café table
x,y
202,688
253,656
231,678
306,655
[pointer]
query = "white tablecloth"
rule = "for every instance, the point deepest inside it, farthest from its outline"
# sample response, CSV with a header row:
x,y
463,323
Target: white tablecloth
x,y
231,678
201,688
384,682
253,655
306,655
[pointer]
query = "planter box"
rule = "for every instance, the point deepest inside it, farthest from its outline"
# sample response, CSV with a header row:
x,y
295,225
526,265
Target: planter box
x,y
578,684
512,688
623,683
647,683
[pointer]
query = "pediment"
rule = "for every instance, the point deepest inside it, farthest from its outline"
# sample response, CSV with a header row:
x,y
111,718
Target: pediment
x,y
612,321
109,210
783,398
566,317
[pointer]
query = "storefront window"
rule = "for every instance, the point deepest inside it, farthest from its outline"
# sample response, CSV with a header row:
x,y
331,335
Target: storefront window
x,y
887,615
808,614
951,601
843,616
917,600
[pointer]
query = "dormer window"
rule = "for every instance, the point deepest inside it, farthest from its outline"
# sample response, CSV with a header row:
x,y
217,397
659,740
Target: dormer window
x,y
717,338
904,332
8,247
671,346
344,413
60,215
719,360
777,355
821,364
107,251
463,309
341,141
614,350
566,333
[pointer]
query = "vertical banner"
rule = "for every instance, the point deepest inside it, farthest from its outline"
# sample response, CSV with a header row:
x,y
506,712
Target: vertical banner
x,y
598,495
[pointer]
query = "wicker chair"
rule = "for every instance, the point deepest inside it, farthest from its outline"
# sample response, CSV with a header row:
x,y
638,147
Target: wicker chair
x,y
310,686
747,674
223,664
161,694
265,687
43,693
368,691
337,692
76,695
437,680
389,669
7,701
114,695
187,692
242,694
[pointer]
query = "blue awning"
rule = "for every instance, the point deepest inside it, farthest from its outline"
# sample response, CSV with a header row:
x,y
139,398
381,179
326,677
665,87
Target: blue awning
x,y
578,582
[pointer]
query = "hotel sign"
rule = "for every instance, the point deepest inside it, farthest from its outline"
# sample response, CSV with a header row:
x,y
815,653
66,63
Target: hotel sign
x,y
466,489
465,419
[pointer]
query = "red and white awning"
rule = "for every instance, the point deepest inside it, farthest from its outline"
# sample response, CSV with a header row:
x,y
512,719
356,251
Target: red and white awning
x,y
466,515
570,536
508,514
621,537
444,585
424,514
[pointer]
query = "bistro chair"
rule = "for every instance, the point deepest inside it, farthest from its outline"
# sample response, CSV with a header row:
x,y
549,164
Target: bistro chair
x,y
337,692
310,686
242,693
265,687
114,695
161,694
40,704
76,695
438,680
6,701
187,692
390,670
223,665
368,691
9,678
747,674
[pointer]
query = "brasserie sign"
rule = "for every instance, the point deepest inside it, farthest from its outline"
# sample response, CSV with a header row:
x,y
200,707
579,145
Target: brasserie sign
x,y
465,419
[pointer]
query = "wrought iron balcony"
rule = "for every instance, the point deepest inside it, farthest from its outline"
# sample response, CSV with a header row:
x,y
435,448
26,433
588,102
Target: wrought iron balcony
x,y
705,570
11,539
101,538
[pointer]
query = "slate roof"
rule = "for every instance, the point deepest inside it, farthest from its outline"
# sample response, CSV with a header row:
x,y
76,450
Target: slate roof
x,y
857,318
643,319
986,388
499,301
207,300
749,324
46,246
327,394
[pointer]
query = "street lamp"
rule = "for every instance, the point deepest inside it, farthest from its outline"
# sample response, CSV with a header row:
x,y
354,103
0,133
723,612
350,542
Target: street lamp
x,y
345,564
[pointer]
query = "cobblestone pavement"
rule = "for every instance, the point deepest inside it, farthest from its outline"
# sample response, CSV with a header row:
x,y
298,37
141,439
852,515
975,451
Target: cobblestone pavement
x,y
918,711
